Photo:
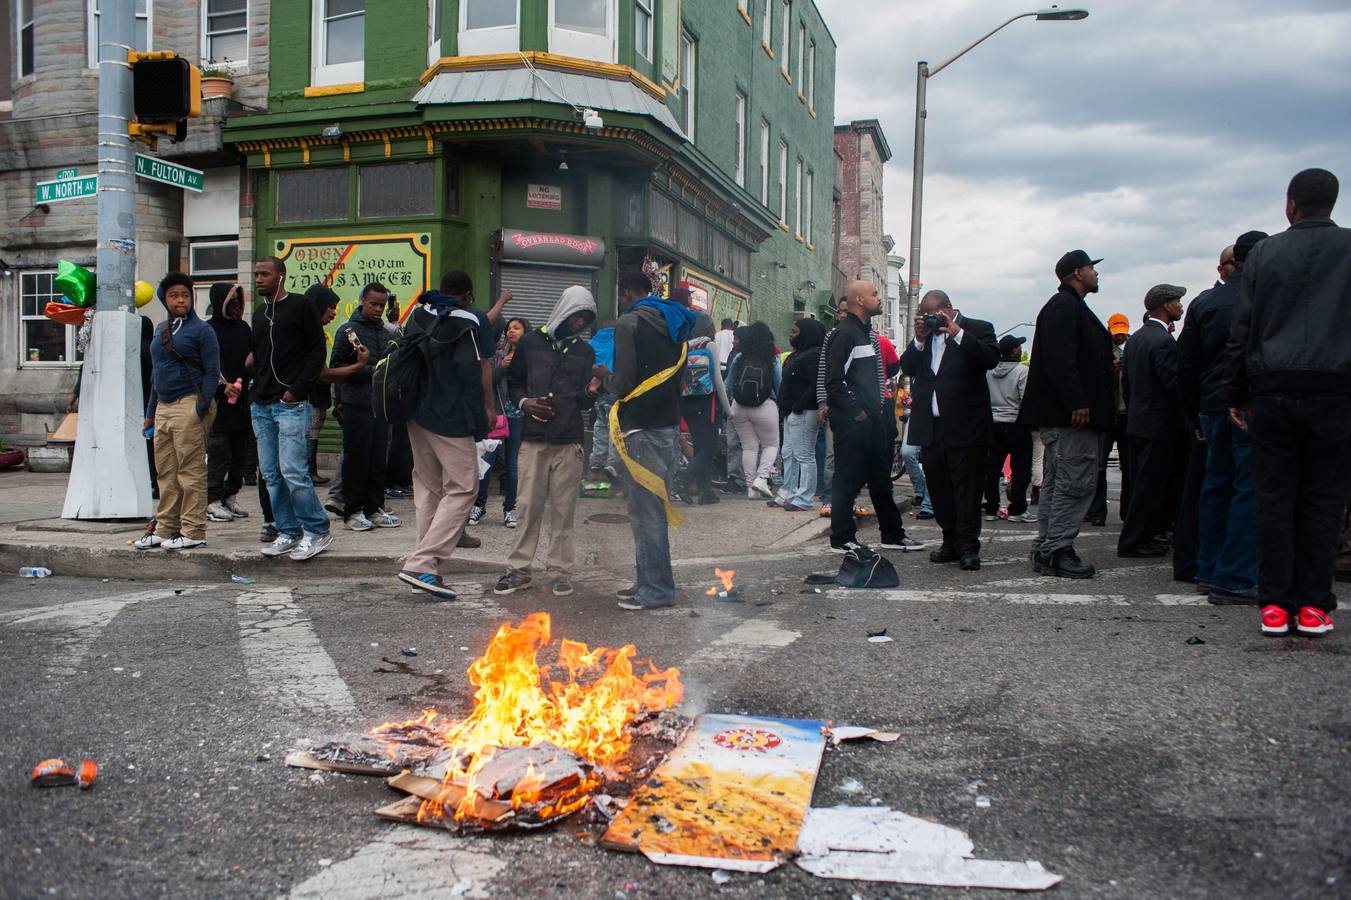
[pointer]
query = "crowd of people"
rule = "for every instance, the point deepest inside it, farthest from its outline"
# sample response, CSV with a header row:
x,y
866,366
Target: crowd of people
x,y
1234,440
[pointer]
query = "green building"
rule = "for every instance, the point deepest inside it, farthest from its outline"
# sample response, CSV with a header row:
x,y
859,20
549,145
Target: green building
x,y
543,143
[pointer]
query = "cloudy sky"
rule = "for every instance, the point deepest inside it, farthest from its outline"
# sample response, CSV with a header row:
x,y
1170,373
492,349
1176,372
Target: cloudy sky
x,y
1151,134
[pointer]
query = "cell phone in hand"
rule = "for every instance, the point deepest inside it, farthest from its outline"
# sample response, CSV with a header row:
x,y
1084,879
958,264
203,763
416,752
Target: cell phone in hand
x,y
353,339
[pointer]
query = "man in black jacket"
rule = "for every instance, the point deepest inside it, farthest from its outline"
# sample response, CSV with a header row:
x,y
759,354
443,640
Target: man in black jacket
x,y
1226,556
951,420
1069,398
863,423
553,379
1288,374
1154,423
227,447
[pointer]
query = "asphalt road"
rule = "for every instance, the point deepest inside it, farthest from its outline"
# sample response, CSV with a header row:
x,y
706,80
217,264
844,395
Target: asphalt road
x,y
1109,748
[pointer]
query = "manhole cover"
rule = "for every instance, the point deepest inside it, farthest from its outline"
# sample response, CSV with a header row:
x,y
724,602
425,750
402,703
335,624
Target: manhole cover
x,y
609,519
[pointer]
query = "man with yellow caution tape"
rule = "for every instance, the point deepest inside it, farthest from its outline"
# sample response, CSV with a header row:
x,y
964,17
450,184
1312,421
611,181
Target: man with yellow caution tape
x,y
649,341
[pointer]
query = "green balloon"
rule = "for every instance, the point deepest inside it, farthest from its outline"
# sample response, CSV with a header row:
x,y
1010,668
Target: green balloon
x,y
76,282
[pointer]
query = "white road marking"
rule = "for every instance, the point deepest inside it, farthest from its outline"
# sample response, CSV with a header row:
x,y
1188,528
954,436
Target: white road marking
x,y
1033,580
81,622
285,662
752,637
406,862
1182,599
901,596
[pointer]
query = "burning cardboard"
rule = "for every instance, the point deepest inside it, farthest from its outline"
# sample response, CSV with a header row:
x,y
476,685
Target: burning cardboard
x,y
732,795
386,750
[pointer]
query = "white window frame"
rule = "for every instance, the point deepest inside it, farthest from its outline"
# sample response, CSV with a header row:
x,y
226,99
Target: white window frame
x,y
497,39
744,6
764,162
740,156
92,29
767,27
584,44
19,27
434,31
797,214
801,54
321,72
783,182
206,41
811,75
72,351
689,61
786,36
811,188
643,8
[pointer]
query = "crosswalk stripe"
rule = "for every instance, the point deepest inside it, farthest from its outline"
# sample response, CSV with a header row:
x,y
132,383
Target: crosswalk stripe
x,y
285,661
407,863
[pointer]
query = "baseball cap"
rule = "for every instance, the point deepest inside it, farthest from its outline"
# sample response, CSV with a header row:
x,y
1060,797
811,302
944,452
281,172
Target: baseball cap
x,y
1075,259
1117,323
1008,343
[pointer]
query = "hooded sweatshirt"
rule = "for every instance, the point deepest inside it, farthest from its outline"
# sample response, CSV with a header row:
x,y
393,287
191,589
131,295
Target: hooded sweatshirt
x,y
1007,381
235,340
603,342
643,348
194,370
356,390
797,393
555,363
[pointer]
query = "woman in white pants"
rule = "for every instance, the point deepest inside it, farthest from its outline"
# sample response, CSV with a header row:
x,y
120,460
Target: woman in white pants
x,y
753,375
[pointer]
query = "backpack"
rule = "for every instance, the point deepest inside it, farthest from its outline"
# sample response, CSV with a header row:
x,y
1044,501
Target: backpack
x,y
399,381
866,568
754,381
698,381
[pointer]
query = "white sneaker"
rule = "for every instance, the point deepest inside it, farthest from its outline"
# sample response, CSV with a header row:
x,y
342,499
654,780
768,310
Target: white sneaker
x,y
216,512
1026,516
148,542
475,515
762,486
283,544
386,519
311,545
357,521
182,543
510,519
232,505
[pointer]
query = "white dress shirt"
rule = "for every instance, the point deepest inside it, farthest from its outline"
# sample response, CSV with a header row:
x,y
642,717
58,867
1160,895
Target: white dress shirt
x,y
940,345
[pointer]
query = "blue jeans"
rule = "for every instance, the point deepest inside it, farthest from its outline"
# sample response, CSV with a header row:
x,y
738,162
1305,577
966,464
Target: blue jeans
x,y
602,454
509,450
910,459
799,459
1227,557
655,449
283,459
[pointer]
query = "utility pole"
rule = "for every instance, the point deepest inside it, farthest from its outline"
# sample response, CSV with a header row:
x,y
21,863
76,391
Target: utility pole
x,y
109,478
917,191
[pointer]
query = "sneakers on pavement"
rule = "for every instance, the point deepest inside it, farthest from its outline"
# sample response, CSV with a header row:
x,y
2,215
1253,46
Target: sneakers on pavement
x,y
383,518
1027,516
511,582
635,606
216,512
990,517
510,519
182,543
310,546
429,582
627,593
761,486
1313,621
232,505
909,545
475,515
268,533
1275,620
148,542
282,543
357,521
844,547
561,586
333,505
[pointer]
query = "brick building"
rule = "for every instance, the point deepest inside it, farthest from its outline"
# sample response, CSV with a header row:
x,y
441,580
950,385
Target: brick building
x,y
863,150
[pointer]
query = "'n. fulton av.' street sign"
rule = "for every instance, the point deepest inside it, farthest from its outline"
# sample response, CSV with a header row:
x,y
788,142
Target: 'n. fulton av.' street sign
x,y
67,189
169,173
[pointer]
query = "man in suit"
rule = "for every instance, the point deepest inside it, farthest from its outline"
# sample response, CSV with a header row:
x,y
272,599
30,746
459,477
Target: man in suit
x,y
1069,398
1154,422
950,420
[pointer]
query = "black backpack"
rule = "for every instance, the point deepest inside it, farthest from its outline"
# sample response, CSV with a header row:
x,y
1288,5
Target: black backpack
x,y
399,381
754,381
866,568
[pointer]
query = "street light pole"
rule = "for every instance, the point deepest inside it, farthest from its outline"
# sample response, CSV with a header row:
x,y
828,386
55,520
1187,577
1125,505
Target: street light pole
x,y
924,73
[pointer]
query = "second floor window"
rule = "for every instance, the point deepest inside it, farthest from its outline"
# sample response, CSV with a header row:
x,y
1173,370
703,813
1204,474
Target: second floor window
x,y
225,32
25,33
339,41
689,52
489,26
140,31
740,160
642,28
433,31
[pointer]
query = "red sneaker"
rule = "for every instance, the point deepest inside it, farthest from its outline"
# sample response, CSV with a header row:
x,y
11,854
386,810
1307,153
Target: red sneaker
x,y
1275,620
1313,621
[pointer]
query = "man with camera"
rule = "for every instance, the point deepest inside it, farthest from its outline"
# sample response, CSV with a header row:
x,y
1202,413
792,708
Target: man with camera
x,y
950,419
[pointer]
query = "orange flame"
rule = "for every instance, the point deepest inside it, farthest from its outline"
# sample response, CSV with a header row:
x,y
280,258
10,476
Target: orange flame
x,y
726,576
582,702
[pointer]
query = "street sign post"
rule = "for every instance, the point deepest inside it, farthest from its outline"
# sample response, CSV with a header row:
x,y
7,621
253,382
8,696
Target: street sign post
x,y
169,173
67,189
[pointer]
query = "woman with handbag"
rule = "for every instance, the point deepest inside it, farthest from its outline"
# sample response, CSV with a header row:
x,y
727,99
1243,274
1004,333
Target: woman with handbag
x,y
508,430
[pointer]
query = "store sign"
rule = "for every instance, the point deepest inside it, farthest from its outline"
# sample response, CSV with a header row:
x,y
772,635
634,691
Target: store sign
x,y
701,295
543,196
555,249
400,262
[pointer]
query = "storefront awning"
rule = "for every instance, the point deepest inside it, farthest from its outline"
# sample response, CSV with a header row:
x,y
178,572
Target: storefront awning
x,y
586,91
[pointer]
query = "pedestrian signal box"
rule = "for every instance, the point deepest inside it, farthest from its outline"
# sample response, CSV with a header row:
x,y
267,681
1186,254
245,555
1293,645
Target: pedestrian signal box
x,y
166,92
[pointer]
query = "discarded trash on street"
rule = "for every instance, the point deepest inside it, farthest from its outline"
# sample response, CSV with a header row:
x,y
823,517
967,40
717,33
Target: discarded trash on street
x,y
876,843
837,734
34,572
240,579
879,639
1194,640
409,651
728,591
57,773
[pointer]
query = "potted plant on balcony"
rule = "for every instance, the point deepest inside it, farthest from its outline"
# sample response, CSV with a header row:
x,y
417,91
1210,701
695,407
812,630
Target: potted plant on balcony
x,y
217,79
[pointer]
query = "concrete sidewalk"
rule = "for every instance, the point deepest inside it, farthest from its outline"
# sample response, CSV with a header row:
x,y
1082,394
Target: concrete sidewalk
x,y
32,533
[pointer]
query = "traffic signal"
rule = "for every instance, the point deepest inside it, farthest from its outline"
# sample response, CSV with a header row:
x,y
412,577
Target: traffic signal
x,y
166,92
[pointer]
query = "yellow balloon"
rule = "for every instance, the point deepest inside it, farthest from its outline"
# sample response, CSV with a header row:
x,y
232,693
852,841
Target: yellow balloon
x,y
145,292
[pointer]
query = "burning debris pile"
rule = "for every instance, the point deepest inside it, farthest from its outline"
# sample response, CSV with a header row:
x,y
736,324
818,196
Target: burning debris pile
x,y
540,741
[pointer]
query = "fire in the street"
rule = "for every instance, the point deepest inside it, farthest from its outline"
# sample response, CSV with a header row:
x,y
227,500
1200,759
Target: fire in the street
x,y
726,576
572,713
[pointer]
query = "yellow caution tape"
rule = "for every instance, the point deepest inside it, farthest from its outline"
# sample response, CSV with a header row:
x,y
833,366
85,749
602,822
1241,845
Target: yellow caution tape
x,y
643,476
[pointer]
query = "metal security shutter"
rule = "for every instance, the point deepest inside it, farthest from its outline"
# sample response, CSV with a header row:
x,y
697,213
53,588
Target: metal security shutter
x,y
535,289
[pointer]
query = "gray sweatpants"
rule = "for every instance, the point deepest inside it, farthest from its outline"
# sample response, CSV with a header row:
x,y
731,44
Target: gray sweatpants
x,y
1067,486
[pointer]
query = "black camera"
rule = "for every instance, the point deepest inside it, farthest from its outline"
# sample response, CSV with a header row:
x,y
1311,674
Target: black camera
x,y
934,323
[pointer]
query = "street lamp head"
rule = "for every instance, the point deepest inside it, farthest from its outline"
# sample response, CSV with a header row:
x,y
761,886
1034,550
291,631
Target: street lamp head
x,y
1056,14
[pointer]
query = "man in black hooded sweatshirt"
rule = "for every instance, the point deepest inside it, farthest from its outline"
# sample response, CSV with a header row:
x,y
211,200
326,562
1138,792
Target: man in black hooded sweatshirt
x,y
797,405
227,449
